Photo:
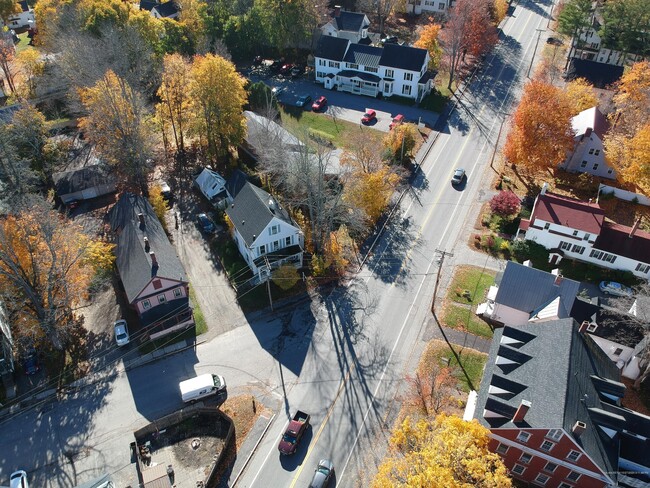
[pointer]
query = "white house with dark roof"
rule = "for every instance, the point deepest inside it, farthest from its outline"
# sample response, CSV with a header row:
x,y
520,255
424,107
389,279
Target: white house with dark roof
x,y
522,294
348,25
368,70
23,18
588,155
552,402
577,230
265,234
168,10
428,6
154,279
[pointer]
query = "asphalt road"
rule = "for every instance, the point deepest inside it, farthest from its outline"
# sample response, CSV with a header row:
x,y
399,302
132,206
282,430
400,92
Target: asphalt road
x,y
355,362
341,358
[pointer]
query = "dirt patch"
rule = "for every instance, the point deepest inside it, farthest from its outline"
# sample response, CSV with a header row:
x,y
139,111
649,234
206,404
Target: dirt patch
x,y
243,410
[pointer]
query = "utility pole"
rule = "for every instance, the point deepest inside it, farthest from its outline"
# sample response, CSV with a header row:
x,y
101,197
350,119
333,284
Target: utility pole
x,y
268,282
496,144
539,33
441,261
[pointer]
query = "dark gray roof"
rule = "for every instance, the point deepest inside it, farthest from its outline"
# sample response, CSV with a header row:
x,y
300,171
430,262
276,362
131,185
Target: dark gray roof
x,y
612,324
428,75
167,9
350,21
527,289
403,57
24,6
349,73
236,182
567,378
601,75
81,179
363,55
252,210
148,4
7,112
133,260
330,47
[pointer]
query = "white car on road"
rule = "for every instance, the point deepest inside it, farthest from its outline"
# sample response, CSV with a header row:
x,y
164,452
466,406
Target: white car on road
x,y
121,333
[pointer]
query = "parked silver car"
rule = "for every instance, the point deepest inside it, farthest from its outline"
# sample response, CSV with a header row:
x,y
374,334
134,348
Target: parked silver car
x,y
614,288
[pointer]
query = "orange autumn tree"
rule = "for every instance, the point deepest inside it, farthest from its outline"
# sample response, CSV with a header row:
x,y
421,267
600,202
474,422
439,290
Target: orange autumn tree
x,y
541,134
46,264
444,452
627,144
429,40
582,94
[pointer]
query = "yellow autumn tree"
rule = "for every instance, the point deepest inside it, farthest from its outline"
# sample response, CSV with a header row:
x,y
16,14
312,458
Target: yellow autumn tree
x,y
31,67
541,135
446,452
632,98
499,11
173,110
218,97
630,157
285,276
44,273
159,204
582,95
371,192
340,250
429,40
400,141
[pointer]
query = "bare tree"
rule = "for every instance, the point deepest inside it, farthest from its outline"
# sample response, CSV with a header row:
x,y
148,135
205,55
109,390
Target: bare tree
x,y
7,61
381,8
431,389
453,38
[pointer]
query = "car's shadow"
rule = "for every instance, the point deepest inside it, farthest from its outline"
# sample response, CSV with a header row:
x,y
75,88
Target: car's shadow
x,y
460,186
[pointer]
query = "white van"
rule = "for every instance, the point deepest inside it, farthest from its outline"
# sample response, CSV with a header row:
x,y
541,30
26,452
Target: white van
x,y
202,386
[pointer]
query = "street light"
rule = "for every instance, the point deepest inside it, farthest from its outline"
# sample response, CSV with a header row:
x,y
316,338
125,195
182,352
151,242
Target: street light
x,y
539,33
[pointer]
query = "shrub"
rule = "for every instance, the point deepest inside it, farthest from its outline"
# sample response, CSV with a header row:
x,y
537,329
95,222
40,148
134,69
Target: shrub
x,y
505,204
489,241
477,241
505,245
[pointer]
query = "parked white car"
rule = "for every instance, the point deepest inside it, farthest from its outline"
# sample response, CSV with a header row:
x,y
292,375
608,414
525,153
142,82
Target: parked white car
x,y
121,333
614,288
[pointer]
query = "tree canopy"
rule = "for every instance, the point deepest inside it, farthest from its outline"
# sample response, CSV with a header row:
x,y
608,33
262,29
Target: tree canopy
x,y
445,452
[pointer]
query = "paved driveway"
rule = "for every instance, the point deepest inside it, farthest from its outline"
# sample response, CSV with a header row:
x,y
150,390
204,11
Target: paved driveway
x,y
343,102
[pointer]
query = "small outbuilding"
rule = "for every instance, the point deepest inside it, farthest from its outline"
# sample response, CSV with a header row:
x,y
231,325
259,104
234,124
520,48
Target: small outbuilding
x,y
211,184
84,183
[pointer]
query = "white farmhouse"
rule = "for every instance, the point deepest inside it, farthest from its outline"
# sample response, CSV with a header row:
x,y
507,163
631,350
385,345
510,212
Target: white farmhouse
x,y
23,18
578,230
348,25
588,155
373,71
428,6
265,234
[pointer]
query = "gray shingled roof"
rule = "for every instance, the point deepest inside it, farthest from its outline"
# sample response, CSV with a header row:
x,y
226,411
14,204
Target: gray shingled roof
x,y
363,55
564,379
527,289
252,210
403,57
133,261
81,179
330,47
349,21
167,9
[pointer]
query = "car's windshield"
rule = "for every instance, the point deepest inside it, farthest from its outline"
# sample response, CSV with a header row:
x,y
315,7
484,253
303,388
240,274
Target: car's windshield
x,y
289,438
121,335
217,381
324,470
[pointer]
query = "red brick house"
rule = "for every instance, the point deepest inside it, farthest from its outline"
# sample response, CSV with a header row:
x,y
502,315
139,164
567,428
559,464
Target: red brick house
x,y
552,401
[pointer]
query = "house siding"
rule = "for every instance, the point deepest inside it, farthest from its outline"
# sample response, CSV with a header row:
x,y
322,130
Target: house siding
x,y
167,290
590,475
589,157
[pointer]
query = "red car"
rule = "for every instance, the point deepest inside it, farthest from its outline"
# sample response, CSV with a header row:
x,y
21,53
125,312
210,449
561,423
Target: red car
x,y
397,120
286,69
369,116
319,104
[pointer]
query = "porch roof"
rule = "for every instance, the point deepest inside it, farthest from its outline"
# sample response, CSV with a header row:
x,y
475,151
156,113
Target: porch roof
x,y
348,73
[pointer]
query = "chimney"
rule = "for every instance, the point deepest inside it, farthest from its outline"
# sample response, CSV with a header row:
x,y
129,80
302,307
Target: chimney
x,y
578,428
588,132
637,222
544,188
337,10
583,326
141,218
521,412
146,244
154,261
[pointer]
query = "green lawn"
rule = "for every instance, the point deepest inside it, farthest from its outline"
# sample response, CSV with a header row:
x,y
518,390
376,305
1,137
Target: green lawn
x,y
472,362
464,318
338,132
23,45
199,319
470,279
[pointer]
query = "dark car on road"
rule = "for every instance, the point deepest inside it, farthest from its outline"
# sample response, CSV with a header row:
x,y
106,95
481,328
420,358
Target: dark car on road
x,y
205,224
323,474
319,104
303,101
30,362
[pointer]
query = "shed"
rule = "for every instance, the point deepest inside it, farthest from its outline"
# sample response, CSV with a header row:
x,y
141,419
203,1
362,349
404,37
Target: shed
x,y
84,183
211,184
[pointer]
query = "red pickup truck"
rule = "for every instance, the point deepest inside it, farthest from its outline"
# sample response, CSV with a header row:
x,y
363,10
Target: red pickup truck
x,y
293,433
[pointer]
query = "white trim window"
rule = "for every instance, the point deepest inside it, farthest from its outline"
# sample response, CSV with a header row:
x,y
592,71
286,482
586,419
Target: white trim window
x,y
146,304
523,436
573,455
408,76
518,469
274,229
178,292
502,448
547,446
162,298
542,479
